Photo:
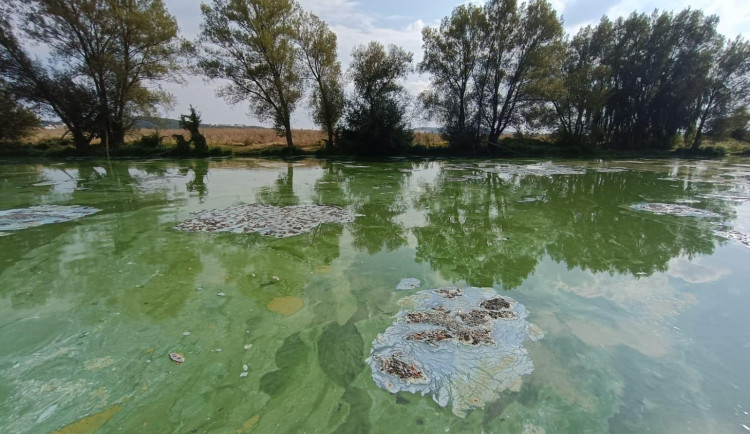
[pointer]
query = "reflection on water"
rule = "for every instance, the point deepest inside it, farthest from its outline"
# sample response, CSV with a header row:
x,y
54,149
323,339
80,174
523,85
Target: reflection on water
x,y
643,315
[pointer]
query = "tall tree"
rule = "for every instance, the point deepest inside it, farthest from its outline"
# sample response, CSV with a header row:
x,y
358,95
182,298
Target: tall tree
x,y
318,49
537,37
121,48
375,120
582,87
451,55
252,44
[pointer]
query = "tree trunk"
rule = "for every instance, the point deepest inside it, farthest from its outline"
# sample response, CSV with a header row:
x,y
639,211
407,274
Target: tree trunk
x,y
288,132
79,140
329,144
699,130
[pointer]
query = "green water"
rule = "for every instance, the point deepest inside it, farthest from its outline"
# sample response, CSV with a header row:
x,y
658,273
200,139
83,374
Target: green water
x,y
645,316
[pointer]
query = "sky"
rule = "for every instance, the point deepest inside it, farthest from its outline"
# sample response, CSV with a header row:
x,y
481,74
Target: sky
x,y
401,22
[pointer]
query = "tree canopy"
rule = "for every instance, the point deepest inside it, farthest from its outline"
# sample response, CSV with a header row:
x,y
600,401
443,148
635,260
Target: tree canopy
x,y
252,44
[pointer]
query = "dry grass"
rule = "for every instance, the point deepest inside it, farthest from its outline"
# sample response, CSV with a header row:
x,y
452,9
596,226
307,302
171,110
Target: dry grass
x,y
429,140
230,137
242,140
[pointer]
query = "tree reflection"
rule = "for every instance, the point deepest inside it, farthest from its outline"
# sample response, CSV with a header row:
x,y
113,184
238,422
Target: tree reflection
x,y
281,193
198,183
493,230
376,194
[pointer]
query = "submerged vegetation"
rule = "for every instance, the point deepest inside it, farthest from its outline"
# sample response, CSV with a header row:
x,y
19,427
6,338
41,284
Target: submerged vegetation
x,y
643,83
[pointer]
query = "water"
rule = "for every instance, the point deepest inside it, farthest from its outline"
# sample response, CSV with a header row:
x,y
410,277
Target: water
x,y
644,316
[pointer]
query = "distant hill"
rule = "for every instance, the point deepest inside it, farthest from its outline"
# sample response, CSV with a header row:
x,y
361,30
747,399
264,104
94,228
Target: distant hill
x,y
157,123
427,129
174,124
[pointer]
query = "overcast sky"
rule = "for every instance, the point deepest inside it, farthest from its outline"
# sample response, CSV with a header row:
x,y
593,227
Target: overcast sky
x,y
400,22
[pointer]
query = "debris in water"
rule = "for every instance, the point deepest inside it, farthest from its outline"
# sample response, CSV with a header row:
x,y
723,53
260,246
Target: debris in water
x,y
22,218
673,209
186,333
495,304
243,374
270,220
275,278
408,283
221,294
734,235
395,366
177,358
245,367
248,346
461,346
449,292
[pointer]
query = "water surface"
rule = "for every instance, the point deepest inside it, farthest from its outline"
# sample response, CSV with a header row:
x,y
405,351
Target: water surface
x,y
645,316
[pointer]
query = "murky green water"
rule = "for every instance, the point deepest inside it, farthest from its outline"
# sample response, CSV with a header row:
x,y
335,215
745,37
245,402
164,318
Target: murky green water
x,y
645,316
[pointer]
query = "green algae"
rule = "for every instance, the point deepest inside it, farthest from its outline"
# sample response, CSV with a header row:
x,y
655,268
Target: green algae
x,y
622,296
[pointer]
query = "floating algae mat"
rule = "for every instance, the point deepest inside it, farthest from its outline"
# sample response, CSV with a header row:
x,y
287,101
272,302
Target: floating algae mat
x,y
280,222
735,236
461,346
673,209
22,218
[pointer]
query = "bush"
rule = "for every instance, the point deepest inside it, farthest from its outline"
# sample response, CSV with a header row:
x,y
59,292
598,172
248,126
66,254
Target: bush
x,y
149,141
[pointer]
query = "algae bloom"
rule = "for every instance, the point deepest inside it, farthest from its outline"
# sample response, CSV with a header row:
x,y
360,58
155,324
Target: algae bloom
x,y
461,346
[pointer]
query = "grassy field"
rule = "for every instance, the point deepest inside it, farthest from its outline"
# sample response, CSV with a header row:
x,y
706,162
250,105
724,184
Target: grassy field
x,y
261,141
243,140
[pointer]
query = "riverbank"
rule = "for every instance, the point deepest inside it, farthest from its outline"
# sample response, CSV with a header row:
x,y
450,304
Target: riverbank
x,y
426,145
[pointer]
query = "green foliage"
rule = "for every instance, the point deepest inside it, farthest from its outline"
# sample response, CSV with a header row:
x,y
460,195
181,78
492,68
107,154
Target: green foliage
x,y
192,122
16,121
318,50
375,118
104,51
252,45
453,53
490,69
736,125
151,141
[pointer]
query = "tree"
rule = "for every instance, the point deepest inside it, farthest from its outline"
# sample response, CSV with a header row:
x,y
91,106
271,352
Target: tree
x,y
191,122
451,55
490,67
375,118
318,49
16,121
658,67
538,35
118,48
735,125
252,44
582,87
727,89
51,89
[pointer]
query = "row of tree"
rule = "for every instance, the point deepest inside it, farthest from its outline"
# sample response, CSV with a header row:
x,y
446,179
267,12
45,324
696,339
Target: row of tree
x,y
637,82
